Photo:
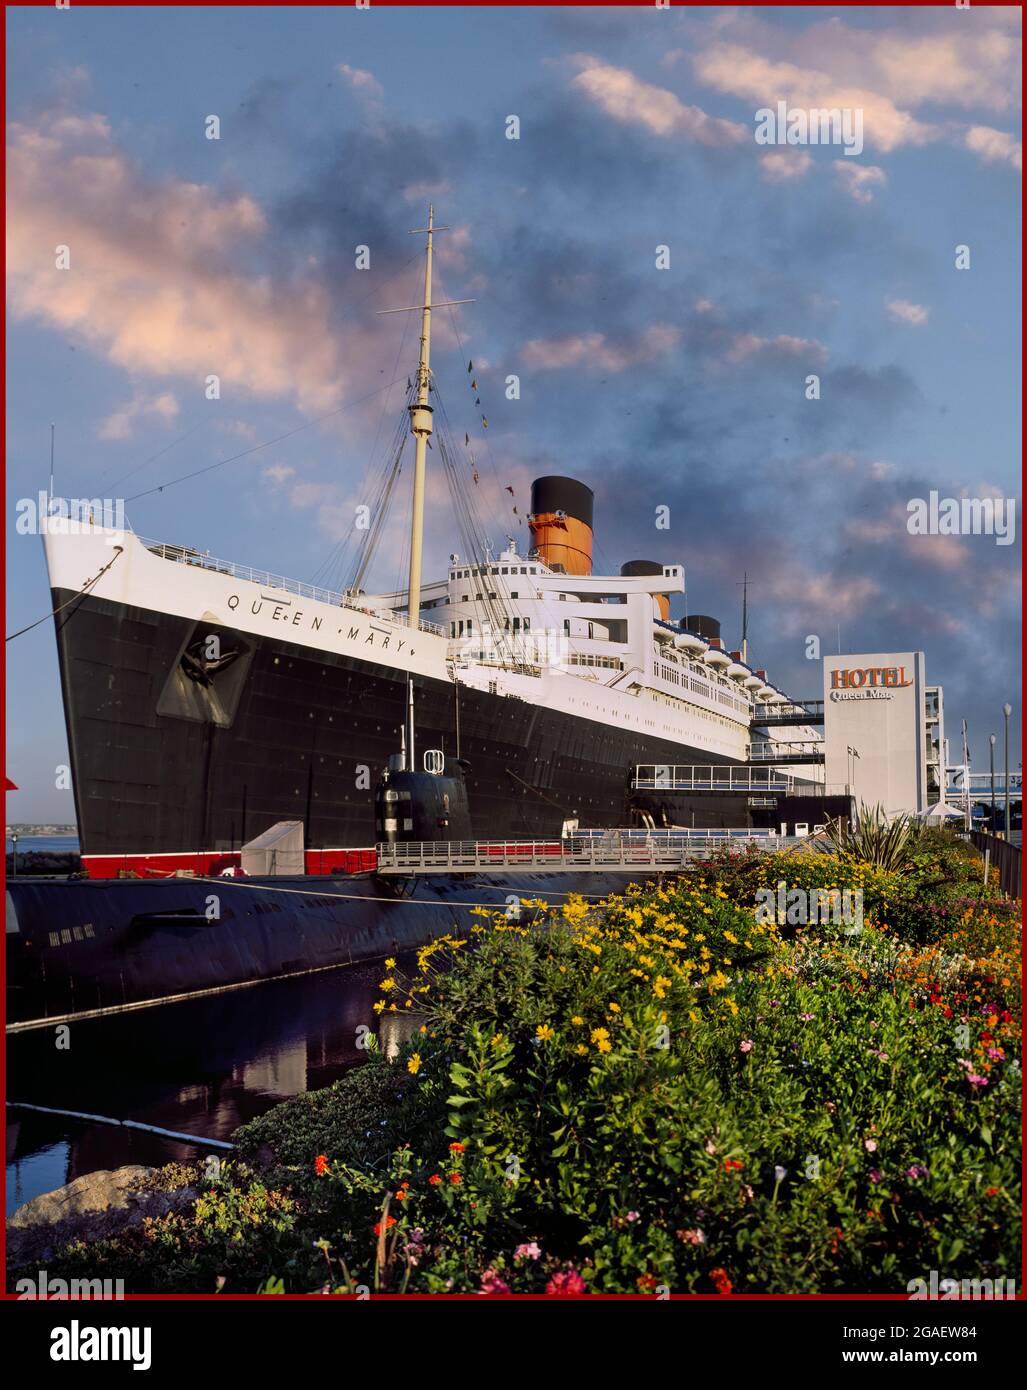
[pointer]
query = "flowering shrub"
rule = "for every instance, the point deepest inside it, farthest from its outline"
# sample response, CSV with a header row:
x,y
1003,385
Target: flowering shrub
x,y
656,1092
660,1093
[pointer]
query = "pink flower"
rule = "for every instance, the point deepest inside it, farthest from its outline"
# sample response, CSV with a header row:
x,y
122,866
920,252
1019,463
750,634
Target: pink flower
x,y
631,1216
976,1080
530,1251
870,1145
745,1045
696,1237
492,1284
875,1175
566,1284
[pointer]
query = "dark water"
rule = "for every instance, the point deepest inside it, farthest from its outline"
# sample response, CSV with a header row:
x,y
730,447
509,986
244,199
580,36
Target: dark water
x,y
201,1067
44,844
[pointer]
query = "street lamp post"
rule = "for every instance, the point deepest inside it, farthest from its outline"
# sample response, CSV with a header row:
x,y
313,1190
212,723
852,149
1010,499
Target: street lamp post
x,y
991,744
1007,711
14,856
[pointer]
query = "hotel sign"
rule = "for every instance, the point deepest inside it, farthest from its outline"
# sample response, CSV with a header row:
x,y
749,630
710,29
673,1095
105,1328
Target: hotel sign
x,y
867,682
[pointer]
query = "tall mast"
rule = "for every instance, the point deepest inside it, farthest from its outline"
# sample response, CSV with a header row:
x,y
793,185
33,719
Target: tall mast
x,y
420,419
420,428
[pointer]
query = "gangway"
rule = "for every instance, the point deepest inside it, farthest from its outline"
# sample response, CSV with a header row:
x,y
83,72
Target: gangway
x,y
812,751
980,787
795,712
741,778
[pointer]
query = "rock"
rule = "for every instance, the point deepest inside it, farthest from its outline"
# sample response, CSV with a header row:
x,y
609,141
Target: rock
x,y
93,1207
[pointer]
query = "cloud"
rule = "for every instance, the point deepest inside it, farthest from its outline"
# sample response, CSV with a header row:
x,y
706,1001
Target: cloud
x,y
428,191
965,60
743,73
363,83
168,277
596,352
625,97
120,423
745,345
903,311
278,472
860,180
994,145
782,166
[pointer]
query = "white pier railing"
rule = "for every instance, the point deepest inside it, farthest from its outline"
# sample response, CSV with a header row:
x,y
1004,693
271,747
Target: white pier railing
x,y
606,850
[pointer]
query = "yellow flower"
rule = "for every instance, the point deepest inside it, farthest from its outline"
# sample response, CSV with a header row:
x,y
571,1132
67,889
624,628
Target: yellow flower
x,y
496,1040
544,1032
387,984
599,1035
414,1064
581,1049
615,1008
390,964
603,1045
577,1020
379,1006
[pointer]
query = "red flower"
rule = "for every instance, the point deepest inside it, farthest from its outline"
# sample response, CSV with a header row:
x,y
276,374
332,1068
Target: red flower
x,y
991,1191
321,1165
730,1163
389,1222
434,1179
456,1148
720,1279
455,1178
566,1284
646,1282
401,1196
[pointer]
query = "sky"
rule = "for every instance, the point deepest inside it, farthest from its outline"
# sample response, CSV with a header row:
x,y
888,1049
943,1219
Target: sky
x,y
663,380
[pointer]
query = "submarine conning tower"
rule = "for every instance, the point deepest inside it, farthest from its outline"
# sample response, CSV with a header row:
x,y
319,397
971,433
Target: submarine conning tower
x,y
561,524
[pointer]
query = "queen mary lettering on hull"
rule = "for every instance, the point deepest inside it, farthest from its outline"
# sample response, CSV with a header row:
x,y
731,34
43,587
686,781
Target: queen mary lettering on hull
x,y
206,701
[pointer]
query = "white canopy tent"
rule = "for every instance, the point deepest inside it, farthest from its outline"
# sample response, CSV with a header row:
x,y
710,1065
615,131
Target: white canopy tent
x,y
277,851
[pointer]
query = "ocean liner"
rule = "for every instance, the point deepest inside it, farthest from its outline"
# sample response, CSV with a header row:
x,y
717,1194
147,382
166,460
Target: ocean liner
x,y
206,701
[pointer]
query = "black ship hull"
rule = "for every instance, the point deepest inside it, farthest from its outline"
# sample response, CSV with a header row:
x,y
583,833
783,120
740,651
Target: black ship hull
x,y
174,755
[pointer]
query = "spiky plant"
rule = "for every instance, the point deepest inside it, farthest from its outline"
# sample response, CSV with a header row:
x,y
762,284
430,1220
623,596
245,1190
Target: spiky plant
x,y
887,842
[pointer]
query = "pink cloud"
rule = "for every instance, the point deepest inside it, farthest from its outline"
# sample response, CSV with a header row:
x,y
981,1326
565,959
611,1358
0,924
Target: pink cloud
x,y
157,282
860,180
781,166
625,97
994,146
596,352
903,311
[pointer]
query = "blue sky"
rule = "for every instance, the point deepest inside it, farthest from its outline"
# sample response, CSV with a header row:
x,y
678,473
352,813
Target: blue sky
x,y
681,387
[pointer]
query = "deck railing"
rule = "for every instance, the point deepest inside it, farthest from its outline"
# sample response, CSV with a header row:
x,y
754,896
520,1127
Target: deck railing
x,y
266,580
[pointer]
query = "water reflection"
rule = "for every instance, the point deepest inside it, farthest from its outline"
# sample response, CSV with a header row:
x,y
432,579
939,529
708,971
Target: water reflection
x,y
202,1067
